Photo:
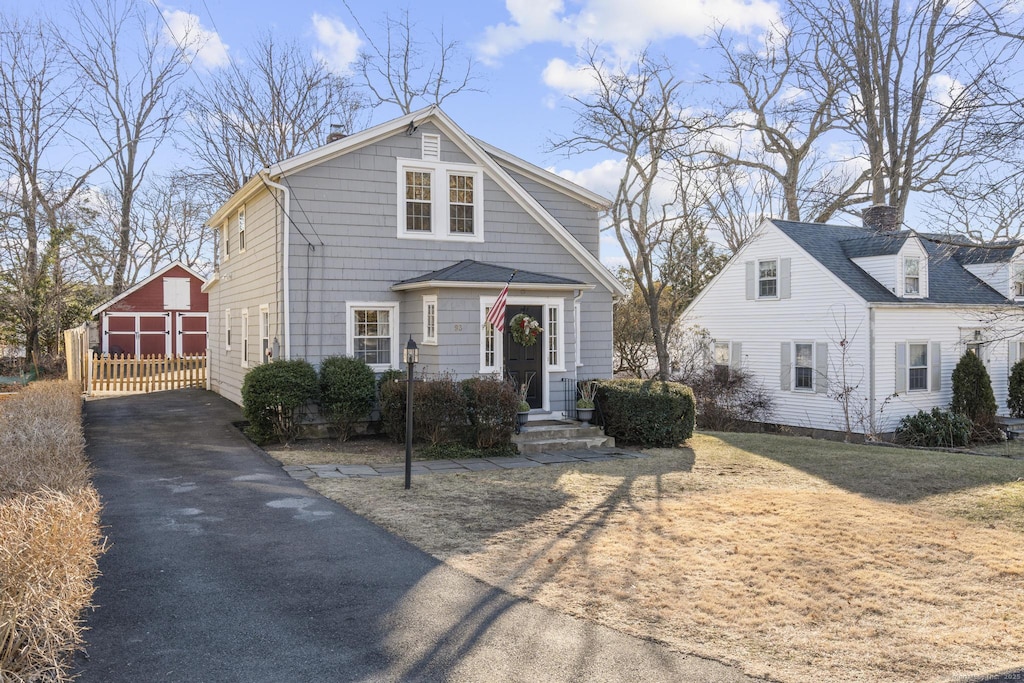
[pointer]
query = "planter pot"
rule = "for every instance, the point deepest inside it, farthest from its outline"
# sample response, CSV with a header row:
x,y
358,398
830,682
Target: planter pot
x,y
585,415
521,419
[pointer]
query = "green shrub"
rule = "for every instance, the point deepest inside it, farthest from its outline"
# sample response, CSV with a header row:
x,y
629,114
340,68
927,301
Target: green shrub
x,y
646,412
939,428
972,390
491,406
348,388
274,396
1015,392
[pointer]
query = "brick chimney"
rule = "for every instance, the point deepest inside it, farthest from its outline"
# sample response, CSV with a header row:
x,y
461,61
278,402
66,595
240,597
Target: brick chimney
x,y
337,133
882,218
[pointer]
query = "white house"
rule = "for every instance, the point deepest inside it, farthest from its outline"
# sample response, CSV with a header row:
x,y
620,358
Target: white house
x,y
812,308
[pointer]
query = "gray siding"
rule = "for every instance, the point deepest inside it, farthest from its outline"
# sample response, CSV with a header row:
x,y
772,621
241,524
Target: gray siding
x,y
577,217
247,280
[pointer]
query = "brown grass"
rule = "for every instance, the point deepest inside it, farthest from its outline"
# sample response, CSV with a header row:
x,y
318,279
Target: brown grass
x,y
792,558
360,450
49,532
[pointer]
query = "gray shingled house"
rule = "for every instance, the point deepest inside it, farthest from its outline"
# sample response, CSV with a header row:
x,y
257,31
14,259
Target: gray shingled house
x,y
813,308
412,228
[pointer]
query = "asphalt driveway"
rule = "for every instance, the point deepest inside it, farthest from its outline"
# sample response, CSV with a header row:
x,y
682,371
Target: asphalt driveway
x,y
223,568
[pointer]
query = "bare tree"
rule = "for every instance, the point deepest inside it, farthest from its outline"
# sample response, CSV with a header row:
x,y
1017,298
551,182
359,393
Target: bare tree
x,y
130,102
277,106
928,86
634,111
38,107
409,73
782,102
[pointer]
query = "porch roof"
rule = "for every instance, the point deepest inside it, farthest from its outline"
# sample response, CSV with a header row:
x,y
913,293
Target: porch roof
x,y
469,273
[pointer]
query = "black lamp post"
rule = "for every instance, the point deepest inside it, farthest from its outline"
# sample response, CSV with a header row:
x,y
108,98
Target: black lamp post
x,y
410,356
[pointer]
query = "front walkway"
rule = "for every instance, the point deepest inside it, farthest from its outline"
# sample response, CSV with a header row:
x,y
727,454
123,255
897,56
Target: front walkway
x,y
420,467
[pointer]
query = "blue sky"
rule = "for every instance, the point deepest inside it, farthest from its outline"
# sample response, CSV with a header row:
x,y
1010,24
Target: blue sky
x,y
526,53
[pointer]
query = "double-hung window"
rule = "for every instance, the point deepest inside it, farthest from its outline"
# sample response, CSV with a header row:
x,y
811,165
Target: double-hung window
x,y
438,200
373,334
264,333
917,367
227,329
768,279
1017,280
803,367
911,276
245,337
241,230
721,360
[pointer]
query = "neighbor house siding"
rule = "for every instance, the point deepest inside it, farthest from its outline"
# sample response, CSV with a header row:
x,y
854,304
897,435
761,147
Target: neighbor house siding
x,y
882,268
995,275
246,281
820,310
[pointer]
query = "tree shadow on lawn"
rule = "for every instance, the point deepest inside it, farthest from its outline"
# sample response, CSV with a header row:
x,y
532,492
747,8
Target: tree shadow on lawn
x,y
890,474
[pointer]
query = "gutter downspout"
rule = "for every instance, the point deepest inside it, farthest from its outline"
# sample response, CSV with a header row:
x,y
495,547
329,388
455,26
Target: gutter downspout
x,y
871,369
285,283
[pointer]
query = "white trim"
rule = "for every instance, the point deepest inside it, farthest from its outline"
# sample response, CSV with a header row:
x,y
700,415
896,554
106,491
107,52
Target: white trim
x,y
499,349
128,292
778,279
927,366
264,327
559,337
577,320
430,147
428,301
814,384
245,337
440,220
393,307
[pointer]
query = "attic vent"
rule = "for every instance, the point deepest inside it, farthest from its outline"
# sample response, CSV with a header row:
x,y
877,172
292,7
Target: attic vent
x,y
431,147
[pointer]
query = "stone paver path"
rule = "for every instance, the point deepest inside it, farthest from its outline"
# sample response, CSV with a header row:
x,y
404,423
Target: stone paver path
x,y
419,467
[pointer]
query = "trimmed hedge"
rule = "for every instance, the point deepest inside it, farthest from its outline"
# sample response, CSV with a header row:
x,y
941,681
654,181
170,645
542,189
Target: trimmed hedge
x,y
348,389
491,406
391,389
646,412
273,396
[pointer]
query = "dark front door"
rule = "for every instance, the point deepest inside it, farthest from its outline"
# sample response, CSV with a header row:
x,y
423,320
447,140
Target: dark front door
x,y
523,363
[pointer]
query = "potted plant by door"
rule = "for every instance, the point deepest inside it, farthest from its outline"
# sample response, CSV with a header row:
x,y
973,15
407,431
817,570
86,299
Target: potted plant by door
x,y
523,413
585,403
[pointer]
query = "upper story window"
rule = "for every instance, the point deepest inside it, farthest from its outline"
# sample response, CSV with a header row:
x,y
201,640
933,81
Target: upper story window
x,y
1017,280
226,230
911,276
440,201
241,230
768,279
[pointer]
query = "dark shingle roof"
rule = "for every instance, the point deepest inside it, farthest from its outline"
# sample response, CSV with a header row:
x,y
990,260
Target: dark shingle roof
x,y
973,255
834,246
475,271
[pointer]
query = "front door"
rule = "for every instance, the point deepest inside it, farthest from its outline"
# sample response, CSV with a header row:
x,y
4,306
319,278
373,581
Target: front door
x,y
523,363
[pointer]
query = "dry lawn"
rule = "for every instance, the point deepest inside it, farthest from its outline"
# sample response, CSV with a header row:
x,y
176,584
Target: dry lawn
x,y
795,559
361,450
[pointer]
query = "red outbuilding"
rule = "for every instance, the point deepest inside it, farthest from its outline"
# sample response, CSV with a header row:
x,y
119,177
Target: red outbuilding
x,y
165,314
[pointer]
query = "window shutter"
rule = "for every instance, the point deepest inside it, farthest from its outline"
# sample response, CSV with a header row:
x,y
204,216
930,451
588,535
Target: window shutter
x,y
785,367
736,355
751,280
785,291
901,367
821,368
1011,353
935,362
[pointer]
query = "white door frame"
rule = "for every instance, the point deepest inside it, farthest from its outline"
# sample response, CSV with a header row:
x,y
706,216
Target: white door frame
x,y
138,332
179,342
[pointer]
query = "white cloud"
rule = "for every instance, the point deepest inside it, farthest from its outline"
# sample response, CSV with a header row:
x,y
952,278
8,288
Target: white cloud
x,y
339,45
602,178
624,25
945,89
203,45
568,79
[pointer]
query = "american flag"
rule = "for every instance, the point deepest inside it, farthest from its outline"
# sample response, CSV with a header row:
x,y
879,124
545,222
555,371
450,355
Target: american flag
x,y
496,316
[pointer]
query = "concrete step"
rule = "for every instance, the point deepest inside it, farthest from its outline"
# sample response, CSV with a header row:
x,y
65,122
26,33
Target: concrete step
x,y
553,445
557,431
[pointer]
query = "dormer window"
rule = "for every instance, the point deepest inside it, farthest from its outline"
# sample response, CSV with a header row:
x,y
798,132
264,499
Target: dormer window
x,y
1017,280
911,276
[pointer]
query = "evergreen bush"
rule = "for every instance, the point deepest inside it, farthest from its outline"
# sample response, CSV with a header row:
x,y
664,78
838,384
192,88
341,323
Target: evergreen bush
x,y
1015,392
973,397
348,388
491,406
938,428
646,412
274,395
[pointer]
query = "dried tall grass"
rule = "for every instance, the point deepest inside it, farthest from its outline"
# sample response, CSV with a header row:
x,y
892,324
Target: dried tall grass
x,y
49,532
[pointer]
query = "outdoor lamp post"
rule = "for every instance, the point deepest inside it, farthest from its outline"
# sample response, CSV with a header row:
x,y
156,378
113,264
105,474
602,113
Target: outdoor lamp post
x,y
410,356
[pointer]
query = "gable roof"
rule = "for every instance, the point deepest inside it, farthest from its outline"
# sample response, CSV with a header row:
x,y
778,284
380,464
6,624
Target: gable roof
x,y
128,292
486,157
948,281
476,273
